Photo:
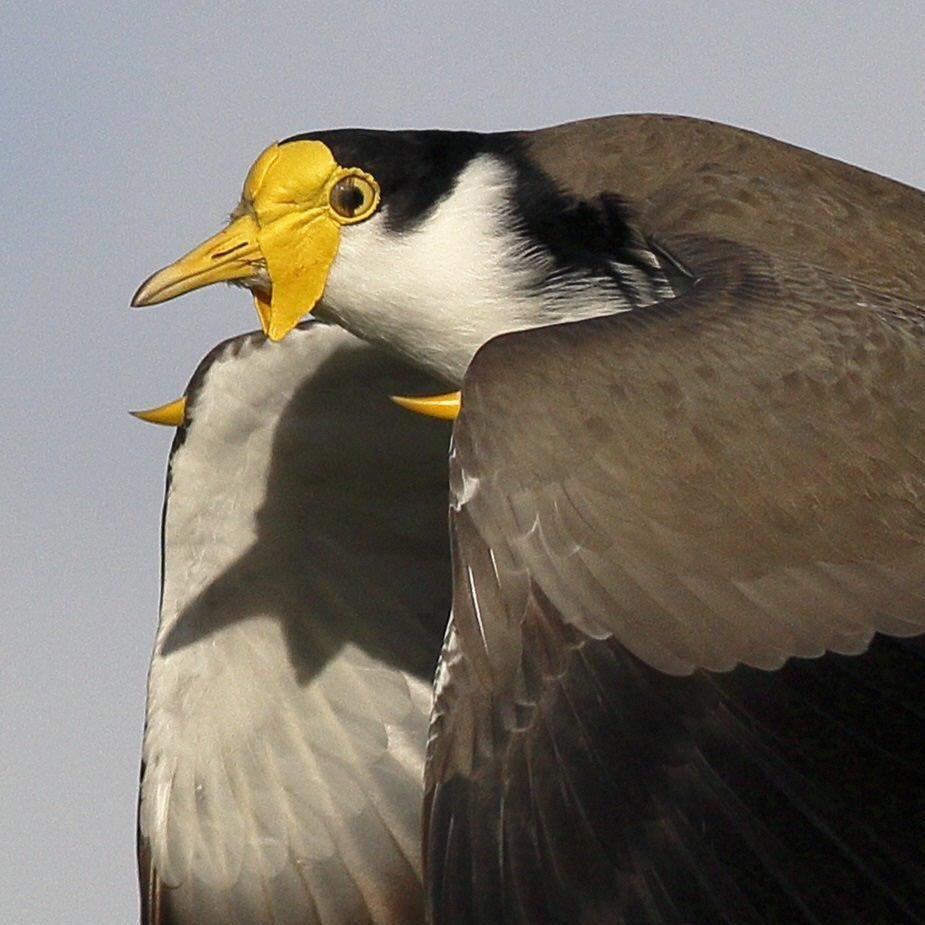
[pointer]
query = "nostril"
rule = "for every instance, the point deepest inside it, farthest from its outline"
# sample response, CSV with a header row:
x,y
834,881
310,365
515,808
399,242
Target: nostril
x,y
229,250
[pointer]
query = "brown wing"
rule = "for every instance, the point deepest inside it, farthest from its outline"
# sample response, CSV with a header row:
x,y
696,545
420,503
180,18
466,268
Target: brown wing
x,y
651,514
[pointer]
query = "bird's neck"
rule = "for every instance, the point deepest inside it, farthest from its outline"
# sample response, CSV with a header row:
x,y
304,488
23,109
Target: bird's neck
x,y
477,266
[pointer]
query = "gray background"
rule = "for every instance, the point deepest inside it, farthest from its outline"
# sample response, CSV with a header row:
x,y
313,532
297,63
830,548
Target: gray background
x,y
126,134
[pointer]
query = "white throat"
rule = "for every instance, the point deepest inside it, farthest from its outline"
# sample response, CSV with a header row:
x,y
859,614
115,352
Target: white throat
x,y
458,278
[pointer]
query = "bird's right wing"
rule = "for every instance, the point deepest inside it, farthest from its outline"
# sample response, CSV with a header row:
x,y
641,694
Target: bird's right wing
x,y
305,594
675,534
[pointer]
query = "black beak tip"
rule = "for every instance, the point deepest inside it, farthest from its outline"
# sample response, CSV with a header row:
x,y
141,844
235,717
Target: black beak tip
x,y
141,299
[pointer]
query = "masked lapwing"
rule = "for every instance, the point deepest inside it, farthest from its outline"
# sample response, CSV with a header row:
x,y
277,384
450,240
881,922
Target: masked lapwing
x,y
680,682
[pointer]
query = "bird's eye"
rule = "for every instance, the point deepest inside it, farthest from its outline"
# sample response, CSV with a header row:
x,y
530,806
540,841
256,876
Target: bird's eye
x,y
354,197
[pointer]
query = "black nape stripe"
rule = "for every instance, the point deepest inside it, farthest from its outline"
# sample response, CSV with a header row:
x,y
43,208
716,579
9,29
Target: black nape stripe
x,y
416,170
588,235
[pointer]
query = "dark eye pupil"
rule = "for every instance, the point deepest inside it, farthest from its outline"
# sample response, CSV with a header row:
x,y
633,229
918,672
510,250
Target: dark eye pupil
x,y
348,198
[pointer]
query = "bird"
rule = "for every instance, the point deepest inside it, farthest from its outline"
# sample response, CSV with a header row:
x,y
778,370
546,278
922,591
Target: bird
x,y
682,675
303,606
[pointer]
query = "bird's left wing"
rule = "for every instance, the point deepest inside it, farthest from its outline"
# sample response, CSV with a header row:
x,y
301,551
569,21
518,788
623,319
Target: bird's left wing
x,y
304,599
652,513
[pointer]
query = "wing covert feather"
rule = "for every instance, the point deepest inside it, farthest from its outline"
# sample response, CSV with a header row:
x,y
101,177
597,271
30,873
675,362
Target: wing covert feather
x,y
736,475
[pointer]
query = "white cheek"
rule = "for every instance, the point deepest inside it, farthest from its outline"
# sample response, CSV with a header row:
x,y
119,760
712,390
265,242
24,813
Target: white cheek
x,y
463,274
439,290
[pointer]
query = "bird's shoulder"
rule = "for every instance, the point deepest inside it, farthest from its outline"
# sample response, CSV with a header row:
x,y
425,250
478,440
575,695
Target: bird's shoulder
x,y
685,175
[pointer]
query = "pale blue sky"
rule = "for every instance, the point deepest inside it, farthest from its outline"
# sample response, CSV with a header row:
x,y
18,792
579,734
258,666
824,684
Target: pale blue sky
x,y
127,130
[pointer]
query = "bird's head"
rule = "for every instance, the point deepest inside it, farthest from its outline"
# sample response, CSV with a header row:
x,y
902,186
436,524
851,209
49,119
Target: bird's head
x,y
430,242
282,237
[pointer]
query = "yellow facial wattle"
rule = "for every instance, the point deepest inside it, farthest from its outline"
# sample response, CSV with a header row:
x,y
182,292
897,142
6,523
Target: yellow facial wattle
x,y
296,198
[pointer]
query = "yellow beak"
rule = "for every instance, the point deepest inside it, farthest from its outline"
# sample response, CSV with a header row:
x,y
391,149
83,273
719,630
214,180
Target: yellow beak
x,y
233,253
